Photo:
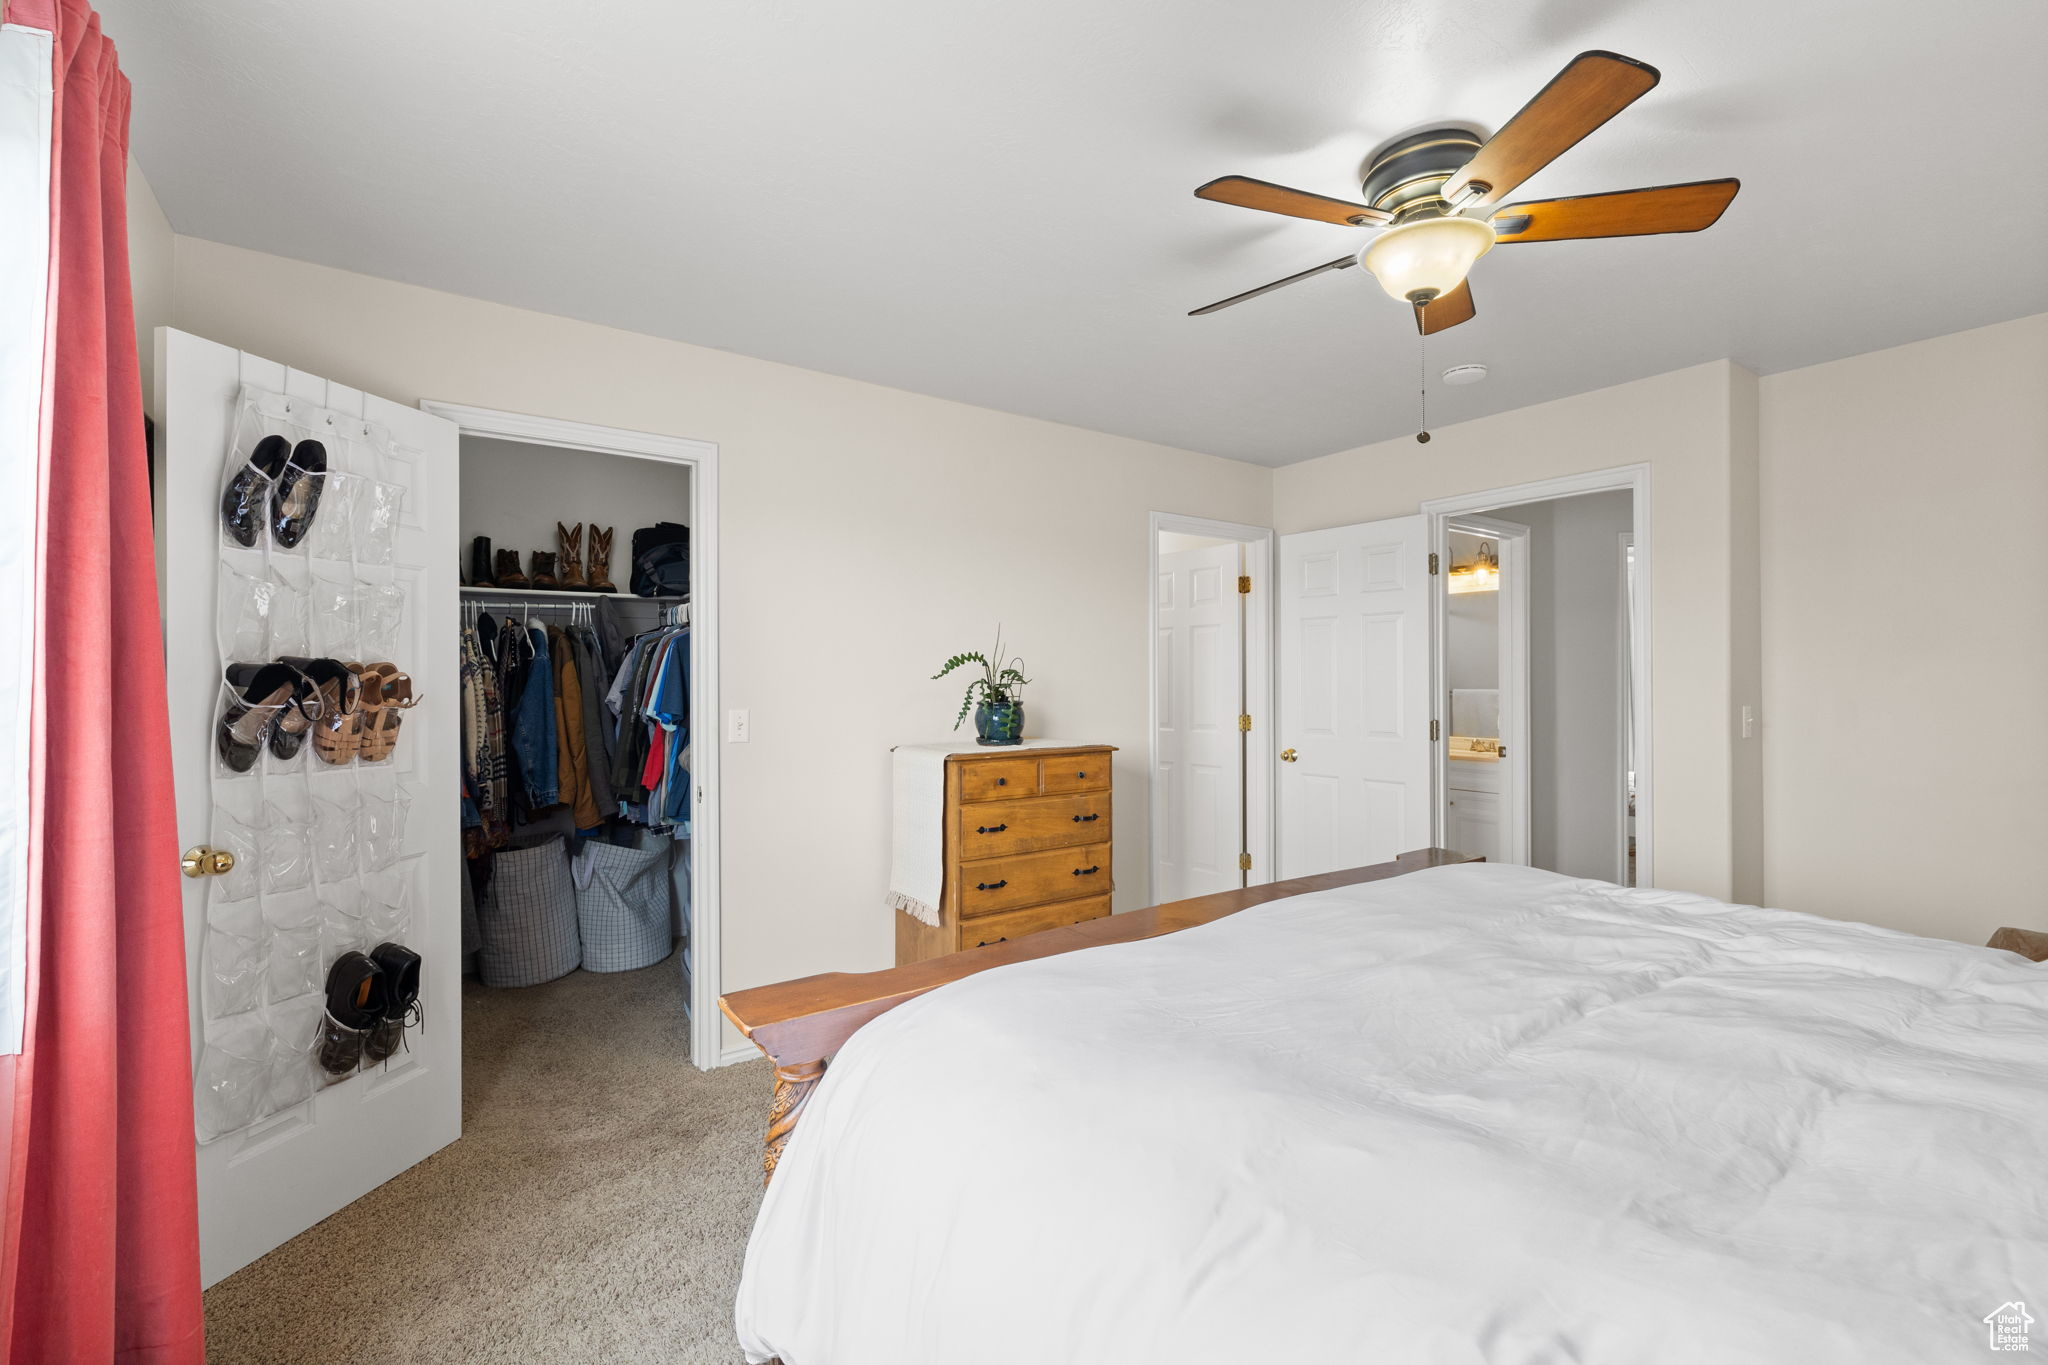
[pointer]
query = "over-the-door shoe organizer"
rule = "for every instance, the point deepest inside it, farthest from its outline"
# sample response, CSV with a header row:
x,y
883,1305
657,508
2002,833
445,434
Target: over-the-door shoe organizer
x,y
321,863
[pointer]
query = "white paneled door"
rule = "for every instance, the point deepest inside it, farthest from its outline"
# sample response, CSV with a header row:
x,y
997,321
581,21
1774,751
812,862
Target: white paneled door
x,y
1198,798
382,841
1355,784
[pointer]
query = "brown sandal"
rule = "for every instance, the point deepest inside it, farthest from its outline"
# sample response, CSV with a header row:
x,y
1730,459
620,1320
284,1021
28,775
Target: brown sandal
x,y
369,710
394,698
336,735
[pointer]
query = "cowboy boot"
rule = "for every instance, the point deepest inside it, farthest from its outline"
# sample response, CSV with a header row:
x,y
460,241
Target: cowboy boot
x,y
572,556
480,563
601,559
508,575
544,570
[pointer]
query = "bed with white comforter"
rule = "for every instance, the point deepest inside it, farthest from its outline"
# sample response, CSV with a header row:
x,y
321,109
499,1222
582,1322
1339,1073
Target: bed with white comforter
x,y
1475,1114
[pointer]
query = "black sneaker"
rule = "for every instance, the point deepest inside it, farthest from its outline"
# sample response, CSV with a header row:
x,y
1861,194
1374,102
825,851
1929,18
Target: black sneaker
x,y
356,993
401,967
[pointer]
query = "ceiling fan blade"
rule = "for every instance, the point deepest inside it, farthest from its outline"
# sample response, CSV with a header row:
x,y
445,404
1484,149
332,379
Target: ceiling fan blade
x,y
1621,213
1446,311
1340,263
1592,88
1248,193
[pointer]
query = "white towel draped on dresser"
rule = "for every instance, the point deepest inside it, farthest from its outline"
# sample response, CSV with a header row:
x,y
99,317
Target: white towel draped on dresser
x,y
917,862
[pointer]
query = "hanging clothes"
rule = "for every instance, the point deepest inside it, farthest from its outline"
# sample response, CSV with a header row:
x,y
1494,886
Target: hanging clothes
x,y
571,744
649,700
533,721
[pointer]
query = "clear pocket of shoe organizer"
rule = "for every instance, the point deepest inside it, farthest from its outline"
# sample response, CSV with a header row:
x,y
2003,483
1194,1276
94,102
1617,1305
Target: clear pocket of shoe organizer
x,y
387,903
287,839
335,816
380,619
378,506
335,625
294,924
295,1024
380,822
331,536
232,1090
242,608
235,837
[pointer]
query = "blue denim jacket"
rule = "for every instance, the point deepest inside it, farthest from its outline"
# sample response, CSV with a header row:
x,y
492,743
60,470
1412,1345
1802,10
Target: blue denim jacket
x,y
533,728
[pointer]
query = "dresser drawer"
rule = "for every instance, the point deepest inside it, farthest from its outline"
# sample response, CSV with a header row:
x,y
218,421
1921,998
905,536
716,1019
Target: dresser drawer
x,y
990,829
987,929
988,779
1076,773
1061,874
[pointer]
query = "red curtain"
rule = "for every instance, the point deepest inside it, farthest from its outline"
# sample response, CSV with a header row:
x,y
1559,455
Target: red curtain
x,y
101,1258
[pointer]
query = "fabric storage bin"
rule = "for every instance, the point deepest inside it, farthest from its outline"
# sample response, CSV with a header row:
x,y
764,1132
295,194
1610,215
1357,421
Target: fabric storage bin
x,y
622,906
529,918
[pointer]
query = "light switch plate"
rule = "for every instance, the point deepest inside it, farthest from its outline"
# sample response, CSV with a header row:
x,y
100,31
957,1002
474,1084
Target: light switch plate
x,y
736,727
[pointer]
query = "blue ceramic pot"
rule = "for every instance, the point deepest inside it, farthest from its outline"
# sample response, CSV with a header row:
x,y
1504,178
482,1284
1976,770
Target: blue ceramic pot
x,y
1001,723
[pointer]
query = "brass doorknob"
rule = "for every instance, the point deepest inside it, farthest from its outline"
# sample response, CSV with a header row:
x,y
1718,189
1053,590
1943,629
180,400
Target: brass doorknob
x,y
201,861
1287,756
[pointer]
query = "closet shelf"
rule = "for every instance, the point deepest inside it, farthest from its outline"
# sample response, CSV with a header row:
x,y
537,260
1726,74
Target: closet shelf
x,y
568,595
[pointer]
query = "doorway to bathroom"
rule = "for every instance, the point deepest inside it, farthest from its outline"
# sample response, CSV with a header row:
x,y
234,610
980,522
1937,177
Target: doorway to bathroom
x,y
1539,663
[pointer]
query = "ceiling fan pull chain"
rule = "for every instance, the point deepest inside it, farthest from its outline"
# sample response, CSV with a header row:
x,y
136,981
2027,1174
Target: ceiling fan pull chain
x,y
1422,388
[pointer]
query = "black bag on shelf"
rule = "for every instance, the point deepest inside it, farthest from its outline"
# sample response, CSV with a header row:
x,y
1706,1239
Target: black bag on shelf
x,y
661,560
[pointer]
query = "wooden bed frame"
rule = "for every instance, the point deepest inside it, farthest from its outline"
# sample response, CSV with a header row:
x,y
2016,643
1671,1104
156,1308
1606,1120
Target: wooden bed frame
x,y
799,1024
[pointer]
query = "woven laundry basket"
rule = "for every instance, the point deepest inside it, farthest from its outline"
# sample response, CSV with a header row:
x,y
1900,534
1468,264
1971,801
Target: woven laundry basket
x,y
529,918
622,906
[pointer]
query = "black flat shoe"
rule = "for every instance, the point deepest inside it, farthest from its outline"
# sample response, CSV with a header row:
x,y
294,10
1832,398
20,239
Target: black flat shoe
x,y
356,992
241,506
297,495
401,967
262,691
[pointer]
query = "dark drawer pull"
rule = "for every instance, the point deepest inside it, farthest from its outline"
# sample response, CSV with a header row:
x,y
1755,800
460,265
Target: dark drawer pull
x,y
992,886
991,829
1002,782
986,942
1087,871
1080,774
1080,818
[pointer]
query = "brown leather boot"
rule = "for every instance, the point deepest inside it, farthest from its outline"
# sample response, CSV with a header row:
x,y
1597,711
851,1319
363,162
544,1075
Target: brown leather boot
x,y
544,570
601,559
508,575
572,555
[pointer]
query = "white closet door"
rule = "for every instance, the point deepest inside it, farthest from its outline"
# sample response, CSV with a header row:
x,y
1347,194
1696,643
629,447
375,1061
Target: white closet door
x,y
264,1184
1198,819
1355,785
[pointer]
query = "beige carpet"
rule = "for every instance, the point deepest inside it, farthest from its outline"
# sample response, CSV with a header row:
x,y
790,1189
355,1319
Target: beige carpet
x,y
595,1209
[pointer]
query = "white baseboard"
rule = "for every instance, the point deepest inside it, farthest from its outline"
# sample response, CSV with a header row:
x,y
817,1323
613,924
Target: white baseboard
x,y
739,1052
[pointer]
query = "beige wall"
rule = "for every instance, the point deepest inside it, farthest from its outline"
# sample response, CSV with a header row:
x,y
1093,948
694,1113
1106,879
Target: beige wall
x,y
867,534
151,248
1680,425
1905,644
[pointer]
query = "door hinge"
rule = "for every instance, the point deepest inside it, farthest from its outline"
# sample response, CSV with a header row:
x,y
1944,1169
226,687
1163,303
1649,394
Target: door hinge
x,y
1433,731
1244,723
1244,582
1432,561
1244,862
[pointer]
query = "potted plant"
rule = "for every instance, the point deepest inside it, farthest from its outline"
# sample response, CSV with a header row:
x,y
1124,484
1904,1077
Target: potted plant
x,y
995,697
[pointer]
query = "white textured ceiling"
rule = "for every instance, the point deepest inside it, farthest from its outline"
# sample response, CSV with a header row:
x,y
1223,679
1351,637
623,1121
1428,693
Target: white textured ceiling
x,y
990,201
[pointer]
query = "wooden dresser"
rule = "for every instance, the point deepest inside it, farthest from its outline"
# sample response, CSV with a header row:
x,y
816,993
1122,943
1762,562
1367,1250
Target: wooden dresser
x,y
1027,848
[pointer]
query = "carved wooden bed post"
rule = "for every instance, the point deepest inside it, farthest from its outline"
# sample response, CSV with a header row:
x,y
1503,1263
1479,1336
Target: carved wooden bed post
x,y
800,1024
793,1086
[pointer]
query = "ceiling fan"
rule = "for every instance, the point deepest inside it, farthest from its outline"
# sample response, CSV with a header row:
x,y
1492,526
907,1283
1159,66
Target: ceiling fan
x,y
1436,194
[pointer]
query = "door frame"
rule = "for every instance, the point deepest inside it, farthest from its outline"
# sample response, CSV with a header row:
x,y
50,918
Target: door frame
x,y
706,966
1635,479
1258,661
1513,541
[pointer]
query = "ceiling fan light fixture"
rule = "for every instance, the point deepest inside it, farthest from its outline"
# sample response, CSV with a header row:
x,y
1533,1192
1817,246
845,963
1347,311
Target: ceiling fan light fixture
x,y
1419,261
